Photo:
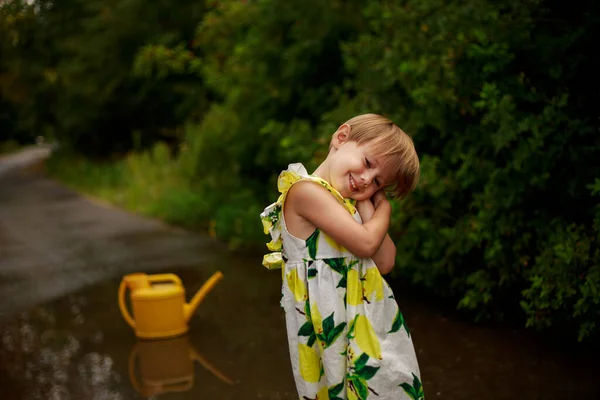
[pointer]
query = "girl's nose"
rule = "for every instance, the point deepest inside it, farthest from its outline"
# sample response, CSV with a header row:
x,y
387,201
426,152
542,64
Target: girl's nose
x,y
366,179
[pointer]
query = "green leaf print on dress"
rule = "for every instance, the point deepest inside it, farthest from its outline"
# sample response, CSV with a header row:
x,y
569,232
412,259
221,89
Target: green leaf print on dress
x,y
330,332
398,323
312,244
340,266
359,374
326,330
415,391
337,264
312,272
308,329
335,390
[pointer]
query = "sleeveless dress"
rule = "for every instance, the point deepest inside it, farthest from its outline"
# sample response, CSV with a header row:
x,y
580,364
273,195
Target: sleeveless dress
x,y
347,337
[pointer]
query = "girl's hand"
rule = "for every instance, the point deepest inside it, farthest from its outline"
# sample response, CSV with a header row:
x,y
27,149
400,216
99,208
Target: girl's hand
x,y
365,209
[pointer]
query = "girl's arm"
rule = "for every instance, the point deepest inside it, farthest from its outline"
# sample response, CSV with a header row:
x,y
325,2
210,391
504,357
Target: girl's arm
x,y
317,206
385,257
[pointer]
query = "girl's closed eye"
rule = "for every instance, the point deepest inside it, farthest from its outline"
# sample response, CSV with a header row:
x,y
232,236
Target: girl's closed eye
x,y
367,162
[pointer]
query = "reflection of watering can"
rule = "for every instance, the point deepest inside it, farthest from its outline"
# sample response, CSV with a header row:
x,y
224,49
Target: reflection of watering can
x,y
166,366
160,309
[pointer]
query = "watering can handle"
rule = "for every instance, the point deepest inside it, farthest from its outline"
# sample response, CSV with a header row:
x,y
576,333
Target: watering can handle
x,y
122,306
165,278
131,364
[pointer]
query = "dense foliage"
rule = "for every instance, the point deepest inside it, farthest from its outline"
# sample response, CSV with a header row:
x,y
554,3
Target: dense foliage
x,y
500,98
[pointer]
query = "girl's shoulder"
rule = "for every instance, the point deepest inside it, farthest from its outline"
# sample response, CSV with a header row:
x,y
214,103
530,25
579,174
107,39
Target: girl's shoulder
x,y
297,173
272,216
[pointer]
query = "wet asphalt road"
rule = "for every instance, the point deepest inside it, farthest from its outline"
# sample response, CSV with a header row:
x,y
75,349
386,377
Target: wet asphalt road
x,y
62,336
54,242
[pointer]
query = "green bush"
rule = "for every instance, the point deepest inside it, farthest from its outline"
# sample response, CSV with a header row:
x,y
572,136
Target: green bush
x,y
499,96
503,217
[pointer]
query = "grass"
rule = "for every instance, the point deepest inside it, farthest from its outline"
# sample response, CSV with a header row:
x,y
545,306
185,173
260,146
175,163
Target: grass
x,y
9,146
156,184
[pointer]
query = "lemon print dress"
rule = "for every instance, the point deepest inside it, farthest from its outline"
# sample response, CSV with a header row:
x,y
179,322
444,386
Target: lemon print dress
x,y
347,337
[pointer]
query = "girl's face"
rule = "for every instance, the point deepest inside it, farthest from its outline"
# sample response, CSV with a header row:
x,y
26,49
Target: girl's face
x,y
355,171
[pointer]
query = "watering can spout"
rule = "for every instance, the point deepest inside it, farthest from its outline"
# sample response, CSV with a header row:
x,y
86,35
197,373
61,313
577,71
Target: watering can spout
x,y
190,307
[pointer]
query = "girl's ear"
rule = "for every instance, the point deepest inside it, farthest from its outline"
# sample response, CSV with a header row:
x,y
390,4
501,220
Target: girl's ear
x,y
340,136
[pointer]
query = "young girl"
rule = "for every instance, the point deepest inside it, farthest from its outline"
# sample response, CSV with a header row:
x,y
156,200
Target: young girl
x,y
347,337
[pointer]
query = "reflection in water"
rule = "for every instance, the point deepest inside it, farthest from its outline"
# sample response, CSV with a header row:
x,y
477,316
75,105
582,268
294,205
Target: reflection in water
x,y
49,363
166,366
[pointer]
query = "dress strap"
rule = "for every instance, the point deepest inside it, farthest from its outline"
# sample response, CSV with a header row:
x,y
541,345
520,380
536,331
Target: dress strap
x,y
272,215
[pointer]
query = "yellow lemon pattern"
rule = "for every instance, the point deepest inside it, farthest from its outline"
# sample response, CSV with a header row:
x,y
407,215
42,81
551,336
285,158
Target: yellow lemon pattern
x,y
347,337
366,339
354,289
310,363
323,394
317,320
373,285
296,285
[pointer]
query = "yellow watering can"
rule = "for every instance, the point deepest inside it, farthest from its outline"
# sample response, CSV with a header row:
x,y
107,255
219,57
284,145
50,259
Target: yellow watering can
x,y
158,303
166,366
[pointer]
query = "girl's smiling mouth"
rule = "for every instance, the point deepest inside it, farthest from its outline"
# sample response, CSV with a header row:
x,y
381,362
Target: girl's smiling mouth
x,y
353,186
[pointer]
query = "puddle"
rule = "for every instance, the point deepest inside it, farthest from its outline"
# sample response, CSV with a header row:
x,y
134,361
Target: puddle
x,y
79,347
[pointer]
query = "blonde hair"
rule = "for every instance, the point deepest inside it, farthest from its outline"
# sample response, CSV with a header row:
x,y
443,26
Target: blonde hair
x,y
386,139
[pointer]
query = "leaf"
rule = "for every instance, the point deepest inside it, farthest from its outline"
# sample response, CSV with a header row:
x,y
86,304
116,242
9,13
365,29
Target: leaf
x,y
333,335
337,264
306,329
342,283
409,390
335,390
307,310
362,389
328,325
417,384
361,361
398,323
311,339
367,372
312,244
351,328
312,272
415,390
